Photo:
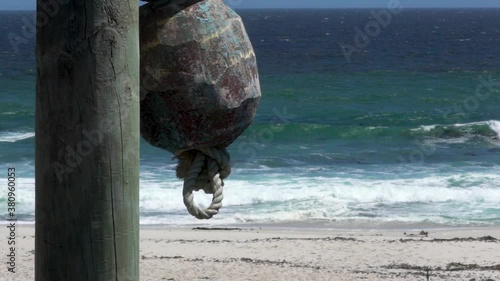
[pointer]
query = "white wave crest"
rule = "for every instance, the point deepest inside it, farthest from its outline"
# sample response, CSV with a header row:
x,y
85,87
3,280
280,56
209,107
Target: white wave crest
x,y
495,126
15,136
282,199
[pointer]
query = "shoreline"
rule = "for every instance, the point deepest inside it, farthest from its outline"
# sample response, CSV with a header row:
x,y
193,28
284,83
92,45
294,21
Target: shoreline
x,y
267,253
313,226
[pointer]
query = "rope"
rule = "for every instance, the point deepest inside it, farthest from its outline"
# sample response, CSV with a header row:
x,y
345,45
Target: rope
x,y
203,168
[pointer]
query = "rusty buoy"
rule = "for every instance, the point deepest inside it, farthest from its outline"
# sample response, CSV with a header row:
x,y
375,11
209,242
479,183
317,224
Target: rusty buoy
x,y
199,86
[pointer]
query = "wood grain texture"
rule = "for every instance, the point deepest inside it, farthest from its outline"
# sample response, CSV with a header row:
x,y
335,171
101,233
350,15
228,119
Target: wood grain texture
x,y
87,141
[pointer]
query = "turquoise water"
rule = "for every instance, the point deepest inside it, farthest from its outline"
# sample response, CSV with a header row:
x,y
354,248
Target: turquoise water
x,y
398,136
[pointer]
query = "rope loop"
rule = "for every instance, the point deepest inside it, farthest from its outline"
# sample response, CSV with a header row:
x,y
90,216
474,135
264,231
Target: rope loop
x,y
203,169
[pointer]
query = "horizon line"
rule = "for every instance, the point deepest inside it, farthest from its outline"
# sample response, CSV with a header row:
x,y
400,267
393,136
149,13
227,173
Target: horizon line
x,y
315,8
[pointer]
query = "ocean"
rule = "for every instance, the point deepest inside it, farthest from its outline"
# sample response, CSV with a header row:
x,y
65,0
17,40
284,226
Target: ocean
x,y
362,123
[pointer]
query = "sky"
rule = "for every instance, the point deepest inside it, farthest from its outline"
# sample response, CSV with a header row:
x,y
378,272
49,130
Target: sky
x,y
245,4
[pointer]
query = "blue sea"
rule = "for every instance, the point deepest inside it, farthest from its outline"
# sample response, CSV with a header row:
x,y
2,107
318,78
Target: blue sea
x,y
358,126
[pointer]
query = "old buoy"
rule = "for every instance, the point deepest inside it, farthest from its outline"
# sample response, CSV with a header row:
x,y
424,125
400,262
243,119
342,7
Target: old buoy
x,y
199,89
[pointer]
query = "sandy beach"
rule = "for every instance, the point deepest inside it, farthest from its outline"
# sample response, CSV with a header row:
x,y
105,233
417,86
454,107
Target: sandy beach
x,y
271,253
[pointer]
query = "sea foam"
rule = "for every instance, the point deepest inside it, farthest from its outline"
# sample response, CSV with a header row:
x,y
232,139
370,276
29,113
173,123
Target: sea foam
x,y
468,198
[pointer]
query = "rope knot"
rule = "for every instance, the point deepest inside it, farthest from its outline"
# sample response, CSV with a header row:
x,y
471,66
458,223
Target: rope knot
x,y
203,169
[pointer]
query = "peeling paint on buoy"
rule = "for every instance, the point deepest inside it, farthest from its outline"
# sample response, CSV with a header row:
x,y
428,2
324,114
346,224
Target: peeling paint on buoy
x,y
199,78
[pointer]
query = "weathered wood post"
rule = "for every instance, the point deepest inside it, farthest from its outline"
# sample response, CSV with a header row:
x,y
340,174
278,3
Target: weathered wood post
x,y
87,141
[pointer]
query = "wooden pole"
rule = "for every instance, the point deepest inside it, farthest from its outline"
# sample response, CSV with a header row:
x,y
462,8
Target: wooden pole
x,y
87,141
